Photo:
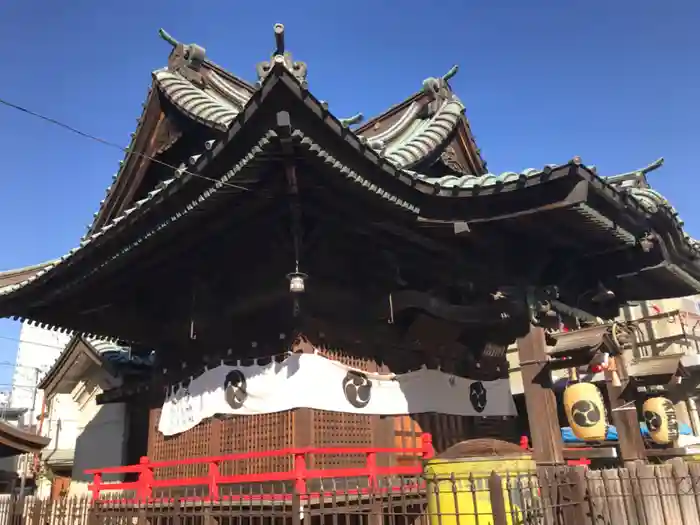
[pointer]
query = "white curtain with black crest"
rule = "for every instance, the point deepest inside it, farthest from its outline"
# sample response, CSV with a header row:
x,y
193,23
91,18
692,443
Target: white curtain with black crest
x,y
312,381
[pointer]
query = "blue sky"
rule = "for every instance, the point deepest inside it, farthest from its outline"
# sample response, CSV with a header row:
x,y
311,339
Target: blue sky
x,y
617,83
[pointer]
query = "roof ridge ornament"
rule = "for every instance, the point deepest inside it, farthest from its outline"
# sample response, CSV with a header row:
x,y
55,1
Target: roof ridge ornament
x,y
284,57
438,88
167,37
351,121
638,177
184,57
439,91
451,73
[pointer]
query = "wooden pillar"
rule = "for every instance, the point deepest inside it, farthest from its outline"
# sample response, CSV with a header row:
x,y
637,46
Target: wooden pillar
x,y
629,434
626,421
540,400
682,412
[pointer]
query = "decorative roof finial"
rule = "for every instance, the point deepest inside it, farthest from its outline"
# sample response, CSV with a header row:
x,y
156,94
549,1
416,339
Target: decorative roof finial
x,y
351,121
166,36
636,178
451,73
284,57
191,56
437,88
279,39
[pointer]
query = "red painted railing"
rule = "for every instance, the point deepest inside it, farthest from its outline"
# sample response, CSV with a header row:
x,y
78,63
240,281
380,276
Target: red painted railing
x,y
146,482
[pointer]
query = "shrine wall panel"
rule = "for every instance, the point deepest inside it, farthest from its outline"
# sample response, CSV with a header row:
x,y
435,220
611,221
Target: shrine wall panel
x,y
316,428
257,433
336,429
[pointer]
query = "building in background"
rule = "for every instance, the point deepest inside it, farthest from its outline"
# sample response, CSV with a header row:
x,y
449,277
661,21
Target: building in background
x,y
85,435
668,338
38,349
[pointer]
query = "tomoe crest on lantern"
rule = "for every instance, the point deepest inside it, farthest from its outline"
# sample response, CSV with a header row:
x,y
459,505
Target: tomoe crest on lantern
x,y
585,411
660,418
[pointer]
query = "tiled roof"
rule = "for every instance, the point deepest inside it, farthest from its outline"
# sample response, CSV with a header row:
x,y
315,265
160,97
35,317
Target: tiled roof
x,y
118,354
199,104
216,104
415,136
442,185
243,165
18,275
108,350
482,181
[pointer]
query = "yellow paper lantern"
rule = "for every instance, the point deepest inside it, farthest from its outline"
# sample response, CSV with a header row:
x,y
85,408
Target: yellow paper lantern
x,y
660,417
585,411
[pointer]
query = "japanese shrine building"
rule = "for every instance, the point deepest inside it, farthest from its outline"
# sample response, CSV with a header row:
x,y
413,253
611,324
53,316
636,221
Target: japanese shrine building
x,y
247,221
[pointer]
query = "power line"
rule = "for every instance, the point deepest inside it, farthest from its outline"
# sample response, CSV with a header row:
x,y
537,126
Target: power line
x,y
15,365
105,142
15,340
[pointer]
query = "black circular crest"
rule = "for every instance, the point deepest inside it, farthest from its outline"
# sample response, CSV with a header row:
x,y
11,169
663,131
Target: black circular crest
x,y
357,388
653,420
477,396
235,389
585,413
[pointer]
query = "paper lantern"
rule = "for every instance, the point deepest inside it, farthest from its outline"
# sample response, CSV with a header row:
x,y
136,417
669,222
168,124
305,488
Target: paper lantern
x,y
585,410
660,417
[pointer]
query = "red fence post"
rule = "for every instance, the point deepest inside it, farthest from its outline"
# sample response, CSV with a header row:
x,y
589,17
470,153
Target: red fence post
x,y
372,469
427,445
300,472
96,486
214,480
145,481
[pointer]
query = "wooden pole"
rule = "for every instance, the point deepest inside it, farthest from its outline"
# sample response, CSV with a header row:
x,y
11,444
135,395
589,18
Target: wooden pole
x,y
626,421
540,400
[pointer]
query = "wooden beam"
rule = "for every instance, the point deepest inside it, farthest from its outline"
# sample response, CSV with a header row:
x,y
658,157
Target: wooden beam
x,y
540,400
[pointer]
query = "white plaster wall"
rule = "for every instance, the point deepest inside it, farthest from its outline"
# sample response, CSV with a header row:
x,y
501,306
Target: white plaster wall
x,y
62,423
100,441
95,432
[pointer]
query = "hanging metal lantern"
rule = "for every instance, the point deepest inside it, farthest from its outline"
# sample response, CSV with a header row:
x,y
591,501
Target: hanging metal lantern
x,y
660,418
585,411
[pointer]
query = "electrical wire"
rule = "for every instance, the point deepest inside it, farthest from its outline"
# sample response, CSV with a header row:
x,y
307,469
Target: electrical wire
x,y
15,340
15,365
105,142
